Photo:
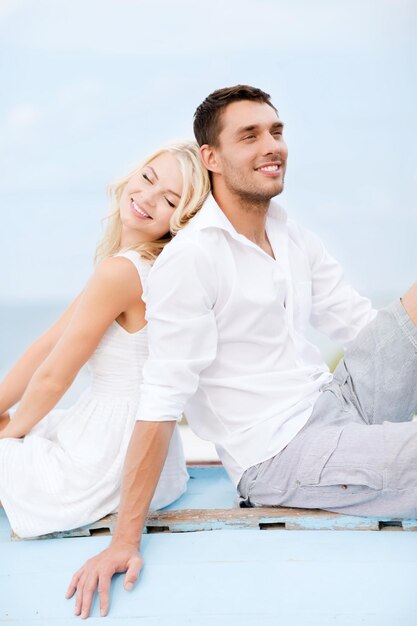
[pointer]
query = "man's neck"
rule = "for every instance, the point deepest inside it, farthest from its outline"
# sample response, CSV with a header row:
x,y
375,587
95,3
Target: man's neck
x,y
248,218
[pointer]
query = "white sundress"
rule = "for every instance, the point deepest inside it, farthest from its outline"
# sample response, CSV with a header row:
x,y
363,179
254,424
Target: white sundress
x,y
67,471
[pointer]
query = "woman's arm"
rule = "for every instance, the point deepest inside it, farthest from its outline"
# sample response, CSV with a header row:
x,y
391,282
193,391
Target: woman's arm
x,y
14,384
4,420
114,287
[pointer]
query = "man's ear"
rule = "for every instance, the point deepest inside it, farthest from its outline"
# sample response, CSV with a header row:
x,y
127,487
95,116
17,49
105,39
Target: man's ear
x,y
209,158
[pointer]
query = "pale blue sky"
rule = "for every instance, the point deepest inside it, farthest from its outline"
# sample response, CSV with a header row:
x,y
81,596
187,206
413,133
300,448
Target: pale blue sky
x,y
89,87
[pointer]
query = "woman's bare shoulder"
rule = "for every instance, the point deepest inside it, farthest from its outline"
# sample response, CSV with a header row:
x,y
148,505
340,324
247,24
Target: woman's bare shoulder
x,y
117,270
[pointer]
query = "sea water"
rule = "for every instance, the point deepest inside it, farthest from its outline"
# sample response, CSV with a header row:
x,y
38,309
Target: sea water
x,y
21,322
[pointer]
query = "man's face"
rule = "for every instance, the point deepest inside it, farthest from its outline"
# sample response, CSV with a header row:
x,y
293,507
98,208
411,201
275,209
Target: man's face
x,y
252,154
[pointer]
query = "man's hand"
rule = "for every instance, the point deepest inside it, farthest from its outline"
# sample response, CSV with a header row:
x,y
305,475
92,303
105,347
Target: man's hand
x,y
97,573
146,454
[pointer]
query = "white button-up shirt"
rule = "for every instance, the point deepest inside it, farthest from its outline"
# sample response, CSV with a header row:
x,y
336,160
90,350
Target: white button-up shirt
x,y
226,327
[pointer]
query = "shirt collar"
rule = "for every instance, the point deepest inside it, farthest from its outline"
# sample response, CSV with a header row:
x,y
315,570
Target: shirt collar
x,y
211,216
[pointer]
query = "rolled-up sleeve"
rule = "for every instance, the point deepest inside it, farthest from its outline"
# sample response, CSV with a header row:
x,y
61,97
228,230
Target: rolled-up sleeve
x,y
338,310
182,335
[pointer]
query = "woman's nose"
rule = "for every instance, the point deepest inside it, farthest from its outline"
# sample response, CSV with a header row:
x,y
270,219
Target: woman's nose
x,y
149,196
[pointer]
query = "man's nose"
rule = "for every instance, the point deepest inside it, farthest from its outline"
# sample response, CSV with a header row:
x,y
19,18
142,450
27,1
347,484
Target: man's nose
x,y
269,144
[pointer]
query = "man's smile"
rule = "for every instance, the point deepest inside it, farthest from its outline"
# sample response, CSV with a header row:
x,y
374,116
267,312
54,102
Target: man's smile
x,y
271,169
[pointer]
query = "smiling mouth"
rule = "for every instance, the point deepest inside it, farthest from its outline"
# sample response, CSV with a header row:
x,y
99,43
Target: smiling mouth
x,y
270,168
138,210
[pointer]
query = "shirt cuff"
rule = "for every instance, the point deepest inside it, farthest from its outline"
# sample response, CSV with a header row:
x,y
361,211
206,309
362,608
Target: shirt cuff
x,y
143,417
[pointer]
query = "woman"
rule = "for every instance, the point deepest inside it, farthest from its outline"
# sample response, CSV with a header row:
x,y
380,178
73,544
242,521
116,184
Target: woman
x,y
62,469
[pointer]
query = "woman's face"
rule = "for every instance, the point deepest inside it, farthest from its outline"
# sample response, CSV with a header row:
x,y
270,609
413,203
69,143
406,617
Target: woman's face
x,y
149,199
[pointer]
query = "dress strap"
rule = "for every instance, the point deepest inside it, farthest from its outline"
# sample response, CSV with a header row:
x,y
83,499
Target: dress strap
x,y
142,266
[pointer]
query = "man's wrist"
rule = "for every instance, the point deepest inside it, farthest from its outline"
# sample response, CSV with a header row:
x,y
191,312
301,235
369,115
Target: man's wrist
x,y
126,540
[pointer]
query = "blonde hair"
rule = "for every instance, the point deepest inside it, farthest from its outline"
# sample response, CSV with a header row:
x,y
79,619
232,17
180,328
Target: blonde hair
x,y
196,186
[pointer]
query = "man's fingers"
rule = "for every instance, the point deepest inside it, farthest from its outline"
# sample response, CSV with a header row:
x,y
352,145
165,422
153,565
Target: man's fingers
x,y
99,572
103,593
133,569
88,594
79,596
73,585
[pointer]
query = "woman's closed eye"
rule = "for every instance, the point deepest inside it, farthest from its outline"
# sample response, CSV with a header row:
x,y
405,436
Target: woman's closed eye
x,y
148,180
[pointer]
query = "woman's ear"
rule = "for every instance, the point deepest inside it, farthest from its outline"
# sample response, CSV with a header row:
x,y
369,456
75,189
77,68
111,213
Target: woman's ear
x,y
209,158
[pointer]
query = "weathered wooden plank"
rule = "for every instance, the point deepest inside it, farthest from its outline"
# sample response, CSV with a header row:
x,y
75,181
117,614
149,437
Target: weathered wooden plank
x,y
259,518
209,504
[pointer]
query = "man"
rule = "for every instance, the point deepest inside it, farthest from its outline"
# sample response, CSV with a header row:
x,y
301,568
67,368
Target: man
x,y
228,303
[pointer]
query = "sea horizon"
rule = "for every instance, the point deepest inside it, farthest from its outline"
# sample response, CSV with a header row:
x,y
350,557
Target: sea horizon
x,y
22,320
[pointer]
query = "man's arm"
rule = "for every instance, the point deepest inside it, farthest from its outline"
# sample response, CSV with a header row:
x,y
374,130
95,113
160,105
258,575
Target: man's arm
x,y
182,336
145,458
338,310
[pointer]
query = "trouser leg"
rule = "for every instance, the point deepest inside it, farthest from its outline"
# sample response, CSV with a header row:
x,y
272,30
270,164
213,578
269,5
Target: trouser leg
x,y
358,452
378,374
350,468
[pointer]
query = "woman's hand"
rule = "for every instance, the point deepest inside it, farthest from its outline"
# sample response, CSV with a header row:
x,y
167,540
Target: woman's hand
x,y
96,574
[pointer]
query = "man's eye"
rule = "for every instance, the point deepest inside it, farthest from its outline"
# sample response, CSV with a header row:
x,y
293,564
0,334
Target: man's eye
x,y
170,203
249,137
277,133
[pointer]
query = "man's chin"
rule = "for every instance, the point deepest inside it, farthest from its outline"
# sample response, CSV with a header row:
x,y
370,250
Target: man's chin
x,y
259,195
273,191
279,189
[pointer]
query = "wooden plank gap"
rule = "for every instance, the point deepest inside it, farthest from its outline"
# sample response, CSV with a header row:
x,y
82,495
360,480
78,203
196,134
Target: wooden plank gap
x,y
94,532
273,526
390,525
157,529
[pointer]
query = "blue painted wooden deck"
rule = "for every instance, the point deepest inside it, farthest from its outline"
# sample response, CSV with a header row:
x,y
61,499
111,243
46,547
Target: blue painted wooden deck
x,y
234,577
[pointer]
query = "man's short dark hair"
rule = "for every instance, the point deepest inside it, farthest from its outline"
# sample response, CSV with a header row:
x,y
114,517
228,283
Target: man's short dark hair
x,y
207,118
